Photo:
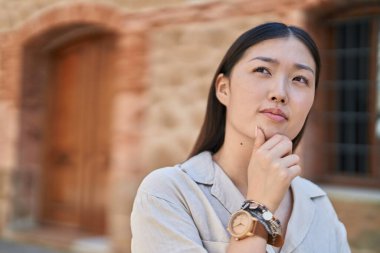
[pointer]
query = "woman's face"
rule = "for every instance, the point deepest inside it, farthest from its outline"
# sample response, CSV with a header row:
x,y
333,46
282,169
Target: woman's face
x,y
272,86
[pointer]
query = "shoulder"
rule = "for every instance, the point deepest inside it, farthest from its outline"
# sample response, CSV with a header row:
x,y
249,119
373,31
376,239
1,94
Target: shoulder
x,y
162,180
307,187
197,169
168,186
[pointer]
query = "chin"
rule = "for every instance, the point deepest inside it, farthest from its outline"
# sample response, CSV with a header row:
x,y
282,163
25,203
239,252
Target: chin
x,y
269,133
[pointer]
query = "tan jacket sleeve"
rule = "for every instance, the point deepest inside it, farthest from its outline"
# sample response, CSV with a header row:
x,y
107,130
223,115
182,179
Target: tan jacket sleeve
x,y
161,226
343,245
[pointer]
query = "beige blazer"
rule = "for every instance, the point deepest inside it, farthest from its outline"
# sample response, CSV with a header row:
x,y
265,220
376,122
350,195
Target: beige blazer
x,y
186,208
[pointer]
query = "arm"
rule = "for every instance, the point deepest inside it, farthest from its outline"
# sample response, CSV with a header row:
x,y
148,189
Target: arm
x,y
342,237
159,225
248,245
339,229
271,169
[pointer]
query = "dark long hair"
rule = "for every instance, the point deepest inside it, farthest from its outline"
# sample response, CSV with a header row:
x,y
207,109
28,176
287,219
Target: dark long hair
x,y
211,136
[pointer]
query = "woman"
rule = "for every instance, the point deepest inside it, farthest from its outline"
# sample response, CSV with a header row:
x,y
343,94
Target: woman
x,y
240,190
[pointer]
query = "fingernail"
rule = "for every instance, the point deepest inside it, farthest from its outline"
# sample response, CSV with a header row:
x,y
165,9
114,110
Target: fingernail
x,y
256,131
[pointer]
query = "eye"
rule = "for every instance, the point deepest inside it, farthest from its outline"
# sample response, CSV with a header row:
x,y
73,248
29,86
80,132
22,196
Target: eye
x,y
301,79
262,70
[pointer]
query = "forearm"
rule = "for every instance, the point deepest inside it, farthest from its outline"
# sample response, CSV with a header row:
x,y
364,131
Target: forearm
x,y
253,244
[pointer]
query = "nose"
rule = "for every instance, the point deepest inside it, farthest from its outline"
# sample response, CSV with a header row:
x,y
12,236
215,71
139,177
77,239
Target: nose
x,y
278,93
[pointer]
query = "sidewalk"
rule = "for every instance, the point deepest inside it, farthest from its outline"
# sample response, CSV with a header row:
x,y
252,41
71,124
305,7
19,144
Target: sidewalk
x,y
84,245
13,247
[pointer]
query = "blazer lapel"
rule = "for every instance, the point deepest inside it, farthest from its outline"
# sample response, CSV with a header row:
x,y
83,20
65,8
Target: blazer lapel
x,y
202,169
225,191
302,214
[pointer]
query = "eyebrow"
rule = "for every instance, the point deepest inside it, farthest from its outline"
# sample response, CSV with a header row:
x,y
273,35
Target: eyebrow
x,y
271,60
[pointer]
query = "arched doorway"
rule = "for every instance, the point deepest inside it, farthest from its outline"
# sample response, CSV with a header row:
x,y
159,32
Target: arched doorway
x,y
68,75
76,147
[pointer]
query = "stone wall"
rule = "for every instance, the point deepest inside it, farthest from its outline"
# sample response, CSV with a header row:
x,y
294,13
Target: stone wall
x,y
169,51
13,13
5,194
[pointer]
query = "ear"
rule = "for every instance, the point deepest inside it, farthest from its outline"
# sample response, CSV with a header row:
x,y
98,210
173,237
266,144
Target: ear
x,y
222,87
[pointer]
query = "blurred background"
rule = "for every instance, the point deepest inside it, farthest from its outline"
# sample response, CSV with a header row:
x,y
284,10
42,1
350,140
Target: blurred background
x,y
96,94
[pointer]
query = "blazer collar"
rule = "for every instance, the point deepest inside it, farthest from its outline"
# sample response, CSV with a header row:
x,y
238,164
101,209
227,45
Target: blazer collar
x,y
203,170
200,168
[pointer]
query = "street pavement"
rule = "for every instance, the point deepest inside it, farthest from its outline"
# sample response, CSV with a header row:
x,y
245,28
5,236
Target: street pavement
x,y
13,247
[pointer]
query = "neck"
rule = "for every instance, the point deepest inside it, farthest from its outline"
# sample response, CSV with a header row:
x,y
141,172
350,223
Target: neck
x,y
234,157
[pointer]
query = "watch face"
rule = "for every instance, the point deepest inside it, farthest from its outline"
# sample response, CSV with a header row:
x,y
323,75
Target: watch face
x,y
240,224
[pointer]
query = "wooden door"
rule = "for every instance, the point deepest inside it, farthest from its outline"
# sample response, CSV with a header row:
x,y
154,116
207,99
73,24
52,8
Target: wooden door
x,y
74,178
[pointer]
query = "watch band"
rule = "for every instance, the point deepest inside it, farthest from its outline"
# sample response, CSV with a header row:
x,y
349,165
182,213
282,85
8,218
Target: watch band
x,y
274,239
269,222
259,229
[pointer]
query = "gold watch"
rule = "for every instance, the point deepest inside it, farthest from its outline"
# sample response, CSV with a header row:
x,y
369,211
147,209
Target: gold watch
x,y
242,225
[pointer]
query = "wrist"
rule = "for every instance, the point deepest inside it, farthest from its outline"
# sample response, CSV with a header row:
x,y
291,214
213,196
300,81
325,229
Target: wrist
x,y
270,206
254,219
267,219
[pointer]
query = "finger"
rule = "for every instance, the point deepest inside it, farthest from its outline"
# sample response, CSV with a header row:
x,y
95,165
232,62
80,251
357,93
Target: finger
x,y
272,142
283,148
290,160
259,139
294,171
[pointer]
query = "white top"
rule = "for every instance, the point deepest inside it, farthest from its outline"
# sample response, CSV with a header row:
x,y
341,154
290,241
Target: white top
x,y
186,208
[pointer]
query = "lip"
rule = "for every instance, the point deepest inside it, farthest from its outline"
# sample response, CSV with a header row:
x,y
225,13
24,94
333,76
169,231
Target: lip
x,y
275,114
